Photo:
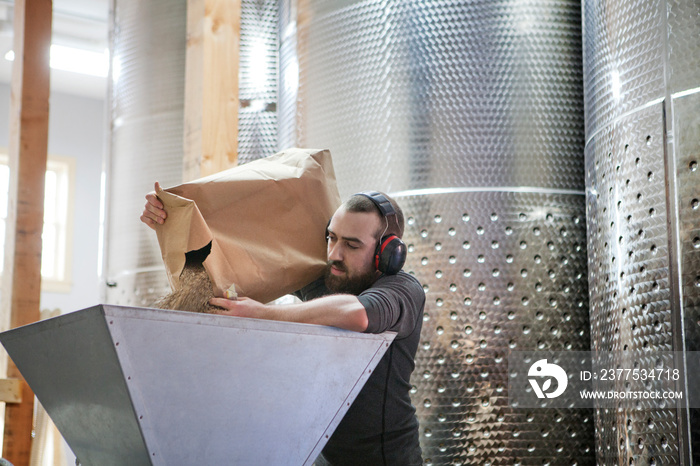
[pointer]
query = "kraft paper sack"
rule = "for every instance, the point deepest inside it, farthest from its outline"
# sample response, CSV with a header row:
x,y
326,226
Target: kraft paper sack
x,y
265,220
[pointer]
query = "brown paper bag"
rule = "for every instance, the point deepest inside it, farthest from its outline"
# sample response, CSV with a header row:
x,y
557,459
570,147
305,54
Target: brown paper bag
x,y
265,220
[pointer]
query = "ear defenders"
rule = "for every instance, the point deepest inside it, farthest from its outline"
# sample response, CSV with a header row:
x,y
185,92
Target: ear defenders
x,y
390,254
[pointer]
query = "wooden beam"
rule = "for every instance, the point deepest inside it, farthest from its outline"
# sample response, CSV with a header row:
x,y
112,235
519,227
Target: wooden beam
x,y
10,390
29,125
211,87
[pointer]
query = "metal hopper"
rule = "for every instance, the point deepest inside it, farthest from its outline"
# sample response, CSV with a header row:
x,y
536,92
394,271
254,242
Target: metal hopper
x,y
141,386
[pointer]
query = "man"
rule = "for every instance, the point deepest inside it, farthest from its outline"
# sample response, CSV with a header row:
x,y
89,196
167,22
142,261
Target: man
x,y
380,428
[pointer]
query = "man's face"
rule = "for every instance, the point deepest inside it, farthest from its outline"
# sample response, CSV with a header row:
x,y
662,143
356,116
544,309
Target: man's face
x,y
351,244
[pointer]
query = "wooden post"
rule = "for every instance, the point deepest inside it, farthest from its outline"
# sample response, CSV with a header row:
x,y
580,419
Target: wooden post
x,y
29,124
211,87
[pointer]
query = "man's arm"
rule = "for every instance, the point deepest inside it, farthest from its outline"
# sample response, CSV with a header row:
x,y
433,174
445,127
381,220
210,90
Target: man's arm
x,y
340,310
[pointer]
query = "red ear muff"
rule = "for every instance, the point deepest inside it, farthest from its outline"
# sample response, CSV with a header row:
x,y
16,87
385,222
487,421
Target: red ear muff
x,y
390,255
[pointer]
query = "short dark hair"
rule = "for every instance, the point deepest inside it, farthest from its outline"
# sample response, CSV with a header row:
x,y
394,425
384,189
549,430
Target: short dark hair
x,y
360,203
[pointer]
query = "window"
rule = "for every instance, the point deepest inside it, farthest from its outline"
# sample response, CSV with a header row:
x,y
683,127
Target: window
x,y
58,213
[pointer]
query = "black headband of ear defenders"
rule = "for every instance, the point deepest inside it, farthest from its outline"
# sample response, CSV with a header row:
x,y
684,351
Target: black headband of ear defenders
x,y
380,201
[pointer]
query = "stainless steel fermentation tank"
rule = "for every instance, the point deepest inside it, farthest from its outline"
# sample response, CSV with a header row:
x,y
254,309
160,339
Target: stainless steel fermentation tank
x,y
471,114
642,102
476,115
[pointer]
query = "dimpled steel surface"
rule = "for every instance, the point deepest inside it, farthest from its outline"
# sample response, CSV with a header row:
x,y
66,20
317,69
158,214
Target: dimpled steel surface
x,y
502,272
687,130
683,44
687,121
629,275
447,105
641,77
420,94
146,110
257,117
623,55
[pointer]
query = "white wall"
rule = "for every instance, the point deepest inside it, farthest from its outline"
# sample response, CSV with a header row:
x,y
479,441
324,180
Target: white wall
x,y
76,129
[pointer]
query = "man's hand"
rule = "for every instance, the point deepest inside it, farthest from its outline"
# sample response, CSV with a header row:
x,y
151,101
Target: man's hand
x,y
241,307
153,211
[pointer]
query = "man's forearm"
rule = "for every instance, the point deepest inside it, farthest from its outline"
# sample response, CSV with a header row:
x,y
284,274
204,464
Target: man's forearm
x,y
341,310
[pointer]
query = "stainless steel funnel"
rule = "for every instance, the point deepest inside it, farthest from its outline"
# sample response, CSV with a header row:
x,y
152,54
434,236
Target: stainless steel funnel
x,y
139,386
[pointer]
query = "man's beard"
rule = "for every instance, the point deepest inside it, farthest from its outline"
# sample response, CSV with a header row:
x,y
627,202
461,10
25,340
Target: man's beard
x,y
350,284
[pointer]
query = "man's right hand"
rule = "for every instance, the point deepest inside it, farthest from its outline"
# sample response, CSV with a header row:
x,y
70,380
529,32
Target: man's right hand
x,y
153,211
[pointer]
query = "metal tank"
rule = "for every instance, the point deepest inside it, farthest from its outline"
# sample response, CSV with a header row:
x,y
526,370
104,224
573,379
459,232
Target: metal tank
x,y
148,41
257,115
146,103
642,95
471,114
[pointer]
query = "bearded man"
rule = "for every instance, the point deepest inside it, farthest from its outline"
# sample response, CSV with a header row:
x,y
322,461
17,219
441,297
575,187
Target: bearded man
x,y
364,290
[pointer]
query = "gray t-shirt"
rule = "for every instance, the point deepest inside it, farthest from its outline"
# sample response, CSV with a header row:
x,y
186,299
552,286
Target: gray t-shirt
x,y
381,428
